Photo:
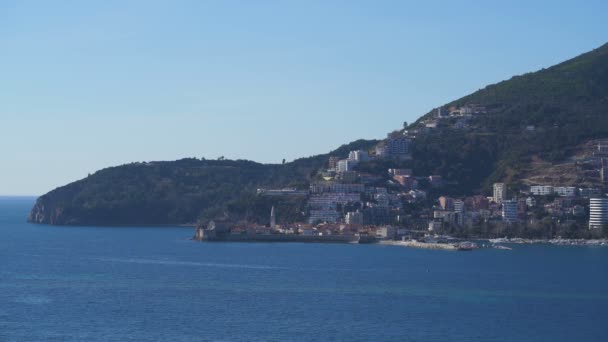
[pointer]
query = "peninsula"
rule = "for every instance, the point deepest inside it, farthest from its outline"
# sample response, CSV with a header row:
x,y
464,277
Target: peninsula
x,y
523,158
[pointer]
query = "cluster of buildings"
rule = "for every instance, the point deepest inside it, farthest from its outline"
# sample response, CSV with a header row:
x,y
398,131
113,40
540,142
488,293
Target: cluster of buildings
x,y
593,162
344,165
460,115
564,191
570,204
466,110
343,197
363,204
396,146
573,201
351,203
468,211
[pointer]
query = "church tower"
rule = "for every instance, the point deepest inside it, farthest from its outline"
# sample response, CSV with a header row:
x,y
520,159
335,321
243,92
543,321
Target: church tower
x,y
273,219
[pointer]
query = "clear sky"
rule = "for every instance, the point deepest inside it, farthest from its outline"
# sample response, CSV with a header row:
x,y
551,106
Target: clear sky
x,y
90,84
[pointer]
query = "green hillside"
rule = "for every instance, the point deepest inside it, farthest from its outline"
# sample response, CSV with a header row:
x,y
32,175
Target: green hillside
x,y
566,105
176,192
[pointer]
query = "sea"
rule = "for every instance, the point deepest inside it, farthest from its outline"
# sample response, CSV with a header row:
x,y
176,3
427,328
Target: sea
x,y
156,284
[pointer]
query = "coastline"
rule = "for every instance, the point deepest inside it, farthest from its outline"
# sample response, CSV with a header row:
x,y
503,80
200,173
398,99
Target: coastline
x,y
556,242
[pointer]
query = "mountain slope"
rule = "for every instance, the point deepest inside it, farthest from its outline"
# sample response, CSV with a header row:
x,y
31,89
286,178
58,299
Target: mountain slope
x,y
577,86
544,114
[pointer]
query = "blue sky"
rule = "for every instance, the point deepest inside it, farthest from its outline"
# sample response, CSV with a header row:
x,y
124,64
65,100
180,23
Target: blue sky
x,y
91,84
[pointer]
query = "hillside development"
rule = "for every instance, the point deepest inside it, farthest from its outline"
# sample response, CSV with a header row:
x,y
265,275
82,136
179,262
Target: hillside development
x,y
519,158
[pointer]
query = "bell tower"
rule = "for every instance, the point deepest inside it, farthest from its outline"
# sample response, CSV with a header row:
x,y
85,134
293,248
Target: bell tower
x,y
273,218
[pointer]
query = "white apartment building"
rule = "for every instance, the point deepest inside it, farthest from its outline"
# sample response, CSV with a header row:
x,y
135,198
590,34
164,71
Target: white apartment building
x,y
355,217
330,200
323,215
500,192
598,212
358,156
565,191
339,187
345,165
541,190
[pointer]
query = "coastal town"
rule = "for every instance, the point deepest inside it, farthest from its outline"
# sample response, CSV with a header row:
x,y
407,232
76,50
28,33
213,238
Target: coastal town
x,y
347,204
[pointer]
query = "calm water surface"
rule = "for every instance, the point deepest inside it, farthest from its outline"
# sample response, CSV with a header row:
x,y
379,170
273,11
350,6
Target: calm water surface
x,y
153,284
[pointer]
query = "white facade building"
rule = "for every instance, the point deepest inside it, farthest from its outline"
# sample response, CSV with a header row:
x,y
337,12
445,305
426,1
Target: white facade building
x,y
400,172
500,192
541,190
273,218
345,165
434,225
458,206
354,217
330,200
348,188
598,212
381,151
530,202
565,191
358,156
330,216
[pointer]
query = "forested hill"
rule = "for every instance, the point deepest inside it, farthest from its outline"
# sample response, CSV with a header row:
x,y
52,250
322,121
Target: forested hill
x,y
173,192
562,94
541,115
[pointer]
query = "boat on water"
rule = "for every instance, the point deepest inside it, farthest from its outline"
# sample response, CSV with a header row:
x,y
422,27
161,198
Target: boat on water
x,y
466,246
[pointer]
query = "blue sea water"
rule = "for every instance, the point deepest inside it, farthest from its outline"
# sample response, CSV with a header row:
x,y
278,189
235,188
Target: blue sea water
x,y
154,284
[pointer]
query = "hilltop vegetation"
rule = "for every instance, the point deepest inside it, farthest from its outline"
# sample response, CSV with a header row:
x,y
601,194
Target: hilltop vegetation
x,y
566,105
176,192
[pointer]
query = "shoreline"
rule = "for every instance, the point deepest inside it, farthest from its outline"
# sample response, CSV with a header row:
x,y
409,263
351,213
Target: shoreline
x,y
415,244
555,242
159,225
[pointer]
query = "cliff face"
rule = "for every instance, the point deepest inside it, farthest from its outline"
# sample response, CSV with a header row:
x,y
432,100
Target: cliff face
x,y
46,214
39,214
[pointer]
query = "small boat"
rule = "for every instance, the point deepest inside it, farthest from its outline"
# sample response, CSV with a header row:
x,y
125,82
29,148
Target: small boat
x,y
467,246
